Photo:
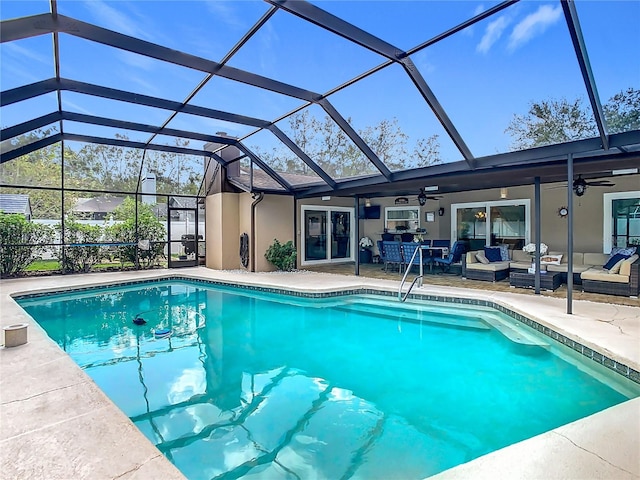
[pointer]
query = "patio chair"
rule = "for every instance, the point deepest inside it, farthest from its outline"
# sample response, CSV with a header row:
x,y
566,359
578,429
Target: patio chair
x,y
407,251
393,254
455,255
388,237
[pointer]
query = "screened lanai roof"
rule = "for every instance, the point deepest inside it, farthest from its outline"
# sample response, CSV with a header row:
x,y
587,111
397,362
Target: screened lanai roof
x,y
337,97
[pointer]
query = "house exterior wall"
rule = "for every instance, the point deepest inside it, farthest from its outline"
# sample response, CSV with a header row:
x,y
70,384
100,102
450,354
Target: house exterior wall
x,y
229,216
222,238
274,219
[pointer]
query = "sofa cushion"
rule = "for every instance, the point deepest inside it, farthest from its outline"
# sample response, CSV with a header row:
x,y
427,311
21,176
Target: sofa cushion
x,y
520,256
564,268
613,261
490,267
520,265
504,252
493,254
471,256
595,259
625,268
481,258
616,268
602,275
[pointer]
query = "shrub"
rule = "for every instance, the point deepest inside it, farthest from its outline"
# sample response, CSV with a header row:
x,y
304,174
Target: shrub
x,y
282,256
149,228
21,242
80,258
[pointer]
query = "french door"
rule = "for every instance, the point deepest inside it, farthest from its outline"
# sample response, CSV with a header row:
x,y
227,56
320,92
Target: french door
x,y
328,235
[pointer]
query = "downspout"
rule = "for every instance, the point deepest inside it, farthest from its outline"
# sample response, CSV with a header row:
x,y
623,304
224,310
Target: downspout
x,y
257,199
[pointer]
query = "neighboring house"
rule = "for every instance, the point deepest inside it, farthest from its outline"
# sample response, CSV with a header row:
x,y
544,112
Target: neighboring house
x,y
160,209
15,203
96,208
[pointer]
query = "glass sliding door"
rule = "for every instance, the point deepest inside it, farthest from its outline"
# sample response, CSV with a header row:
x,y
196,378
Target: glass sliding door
x,y
471,226
340,234
315,235
327,234
508,225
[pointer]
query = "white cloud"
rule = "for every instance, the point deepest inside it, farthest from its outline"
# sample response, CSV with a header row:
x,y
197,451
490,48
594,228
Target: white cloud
x,y
226,13
21,53
492,34
112,17
533,25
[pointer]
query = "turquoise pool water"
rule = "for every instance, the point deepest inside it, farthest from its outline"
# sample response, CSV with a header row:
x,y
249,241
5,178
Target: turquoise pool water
x,y
259,385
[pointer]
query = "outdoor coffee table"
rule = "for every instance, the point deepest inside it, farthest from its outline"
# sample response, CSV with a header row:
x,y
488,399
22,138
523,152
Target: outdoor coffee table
x,y
548,281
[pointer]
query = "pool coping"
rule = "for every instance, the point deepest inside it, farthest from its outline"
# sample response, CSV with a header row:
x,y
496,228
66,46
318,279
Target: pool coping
x,y
28,385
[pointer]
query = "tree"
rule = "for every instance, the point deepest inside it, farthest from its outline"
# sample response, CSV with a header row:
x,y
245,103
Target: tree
x,y
149,228
623,111
21,242
330,147
556,121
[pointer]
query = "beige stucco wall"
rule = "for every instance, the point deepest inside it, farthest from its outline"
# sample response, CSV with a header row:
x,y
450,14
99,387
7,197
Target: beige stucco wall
x,y
229,216
274,219
222,225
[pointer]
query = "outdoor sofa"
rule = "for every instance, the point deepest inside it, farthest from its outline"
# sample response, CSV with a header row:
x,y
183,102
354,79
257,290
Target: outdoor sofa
x,y
624,282
582,262
474,269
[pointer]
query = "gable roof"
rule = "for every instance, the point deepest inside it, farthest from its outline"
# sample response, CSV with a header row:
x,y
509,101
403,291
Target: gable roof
x,y
15,203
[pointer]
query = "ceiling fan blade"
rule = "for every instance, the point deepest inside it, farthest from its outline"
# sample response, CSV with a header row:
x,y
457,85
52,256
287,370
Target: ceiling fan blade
x,y
601,183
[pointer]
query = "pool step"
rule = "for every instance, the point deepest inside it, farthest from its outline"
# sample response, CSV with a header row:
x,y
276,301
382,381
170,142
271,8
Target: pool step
x,y
411,315
515,333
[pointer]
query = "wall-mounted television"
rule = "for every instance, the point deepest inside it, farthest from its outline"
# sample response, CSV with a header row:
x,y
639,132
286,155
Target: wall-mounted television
x,y
368,213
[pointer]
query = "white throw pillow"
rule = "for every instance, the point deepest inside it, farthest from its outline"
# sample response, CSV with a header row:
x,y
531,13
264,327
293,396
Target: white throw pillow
x,y
550,259
481,258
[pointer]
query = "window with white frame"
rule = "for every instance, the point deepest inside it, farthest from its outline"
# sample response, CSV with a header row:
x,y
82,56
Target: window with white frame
x,y
621,220
402,219
491,223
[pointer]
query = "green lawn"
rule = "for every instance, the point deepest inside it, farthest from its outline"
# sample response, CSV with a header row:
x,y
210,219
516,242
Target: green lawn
x,y
54,265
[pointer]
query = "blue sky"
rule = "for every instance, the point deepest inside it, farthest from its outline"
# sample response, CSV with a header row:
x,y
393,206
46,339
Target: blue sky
x,y
482,76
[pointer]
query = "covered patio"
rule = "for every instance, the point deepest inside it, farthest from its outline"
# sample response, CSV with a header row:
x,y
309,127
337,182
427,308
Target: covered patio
x,y
454,279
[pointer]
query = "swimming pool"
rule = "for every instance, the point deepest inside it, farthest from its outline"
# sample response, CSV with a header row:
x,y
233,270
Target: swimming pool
x,y
254,383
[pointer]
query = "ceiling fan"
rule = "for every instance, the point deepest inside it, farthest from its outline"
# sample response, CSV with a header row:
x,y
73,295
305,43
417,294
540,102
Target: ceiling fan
x,y
580,185
423,197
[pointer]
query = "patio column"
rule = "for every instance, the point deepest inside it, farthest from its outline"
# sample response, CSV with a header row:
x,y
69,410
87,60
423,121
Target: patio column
x,y
357,225
536,281
570,234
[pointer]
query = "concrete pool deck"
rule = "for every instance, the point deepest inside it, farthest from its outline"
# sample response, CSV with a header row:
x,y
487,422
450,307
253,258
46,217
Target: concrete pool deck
x,y
55,422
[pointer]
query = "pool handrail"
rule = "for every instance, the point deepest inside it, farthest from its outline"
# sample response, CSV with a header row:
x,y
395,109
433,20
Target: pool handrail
x,y
402,298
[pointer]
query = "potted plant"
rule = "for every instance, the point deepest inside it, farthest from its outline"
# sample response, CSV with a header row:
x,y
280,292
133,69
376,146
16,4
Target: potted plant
x,y
530,248
365,249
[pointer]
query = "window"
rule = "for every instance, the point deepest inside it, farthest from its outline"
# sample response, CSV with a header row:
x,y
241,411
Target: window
x,y
621,220
401,219
491,223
